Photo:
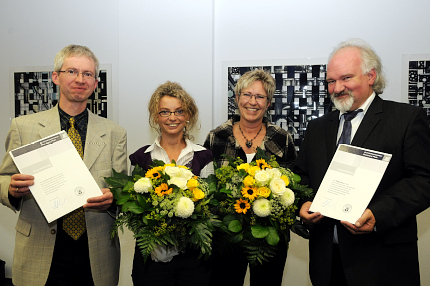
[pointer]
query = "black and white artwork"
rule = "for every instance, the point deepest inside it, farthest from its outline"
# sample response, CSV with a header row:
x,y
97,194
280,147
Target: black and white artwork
x,y
34,91
300,96
419,84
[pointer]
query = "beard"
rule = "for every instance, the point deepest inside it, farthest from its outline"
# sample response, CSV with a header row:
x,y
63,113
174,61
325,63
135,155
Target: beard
x,y
343,105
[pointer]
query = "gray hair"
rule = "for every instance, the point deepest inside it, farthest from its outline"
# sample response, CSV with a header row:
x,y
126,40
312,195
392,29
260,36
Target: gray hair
x,y
369,60
74,50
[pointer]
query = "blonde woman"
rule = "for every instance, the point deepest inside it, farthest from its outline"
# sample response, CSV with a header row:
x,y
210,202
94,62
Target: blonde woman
x,y
173,113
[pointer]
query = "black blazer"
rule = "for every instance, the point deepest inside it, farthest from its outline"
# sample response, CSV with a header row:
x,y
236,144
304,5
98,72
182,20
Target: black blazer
x,y
385,256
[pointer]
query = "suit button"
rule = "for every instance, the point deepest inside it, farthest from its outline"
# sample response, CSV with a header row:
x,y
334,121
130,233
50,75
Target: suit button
x,y
53,231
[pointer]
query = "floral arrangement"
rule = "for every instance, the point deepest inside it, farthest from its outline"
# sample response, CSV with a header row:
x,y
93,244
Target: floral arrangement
x,y
258,203
164,206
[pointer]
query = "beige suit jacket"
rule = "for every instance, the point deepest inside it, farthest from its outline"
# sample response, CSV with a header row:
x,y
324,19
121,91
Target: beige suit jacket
x,y
105,148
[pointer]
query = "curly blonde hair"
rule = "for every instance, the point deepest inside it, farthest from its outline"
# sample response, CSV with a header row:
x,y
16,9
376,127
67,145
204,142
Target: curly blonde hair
x,y
189,106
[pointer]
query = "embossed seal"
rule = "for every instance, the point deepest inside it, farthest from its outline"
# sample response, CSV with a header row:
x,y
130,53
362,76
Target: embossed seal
x,y
347,208
79,191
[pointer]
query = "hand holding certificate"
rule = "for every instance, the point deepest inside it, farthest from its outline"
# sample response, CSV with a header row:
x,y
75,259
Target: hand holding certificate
x,y
350,182
62,181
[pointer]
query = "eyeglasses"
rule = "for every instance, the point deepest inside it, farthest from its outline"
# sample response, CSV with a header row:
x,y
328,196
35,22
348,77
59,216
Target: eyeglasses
x,y
165,113
75,73
258,97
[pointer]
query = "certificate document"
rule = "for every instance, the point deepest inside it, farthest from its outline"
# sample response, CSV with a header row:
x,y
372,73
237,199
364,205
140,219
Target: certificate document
x,y
62,182
350,182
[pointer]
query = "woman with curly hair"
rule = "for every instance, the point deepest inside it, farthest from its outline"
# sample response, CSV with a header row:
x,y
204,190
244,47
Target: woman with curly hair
x,y
173,113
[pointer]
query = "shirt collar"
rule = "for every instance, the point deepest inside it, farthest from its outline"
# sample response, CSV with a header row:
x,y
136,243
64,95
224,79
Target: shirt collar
x,y
190,146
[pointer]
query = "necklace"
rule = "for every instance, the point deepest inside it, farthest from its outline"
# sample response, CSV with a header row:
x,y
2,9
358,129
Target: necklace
x,y
248,143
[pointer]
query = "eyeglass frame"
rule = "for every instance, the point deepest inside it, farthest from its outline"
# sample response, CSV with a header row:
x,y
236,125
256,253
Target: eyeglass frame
x,y
258,97
170,113
86,75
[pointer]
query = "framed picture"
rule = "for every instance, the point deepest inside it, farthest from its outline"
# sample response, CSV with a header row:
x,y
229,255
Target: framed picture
x,y
416,81
32,90
300,95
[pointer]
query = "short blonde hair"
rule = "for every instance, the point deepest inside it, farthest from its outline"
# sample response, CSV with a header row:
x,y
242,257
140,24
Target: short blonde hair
x,y
74,50
248,78
189,106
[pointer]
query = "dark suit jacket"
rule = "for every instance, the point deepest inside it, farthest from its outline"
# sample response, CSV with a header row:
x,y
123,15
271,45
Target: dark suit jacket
x,y
388,256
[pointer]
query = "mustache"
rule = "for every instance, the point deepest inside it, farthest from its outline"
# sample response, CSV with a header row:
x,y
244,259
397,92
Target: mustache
x,y
343,92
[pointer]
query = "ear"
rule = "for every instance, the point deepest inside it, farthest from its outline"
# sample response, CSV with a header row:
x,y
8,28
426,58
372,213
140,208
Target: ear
x,y
372,76
95,83
55,79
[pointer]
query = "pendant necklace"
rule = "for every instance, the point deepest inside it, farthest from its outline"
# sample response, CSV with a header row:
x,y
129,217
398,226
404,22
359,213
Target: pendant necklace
x,y
248,143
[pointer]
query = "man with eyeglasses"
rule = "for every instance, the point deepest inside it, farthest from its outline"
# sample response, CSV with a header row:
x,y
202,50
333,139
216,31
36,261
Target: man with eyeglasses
x,y
64,252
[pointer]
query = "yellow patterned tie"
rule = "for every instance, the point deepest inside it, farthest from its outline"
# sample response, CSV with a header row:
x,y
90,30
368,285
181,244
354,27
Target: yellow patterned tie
x,y
74,222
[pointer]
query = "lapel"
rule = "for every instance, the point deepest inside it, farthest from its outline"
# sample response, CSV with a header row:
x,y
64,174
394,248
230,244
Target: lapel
x,y
50,122
96,139
331,134
370,120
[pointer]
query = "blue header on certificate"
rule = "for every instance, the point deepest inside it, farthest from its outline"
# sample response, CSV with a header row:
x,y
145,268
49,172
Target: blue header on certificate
x,y
365,152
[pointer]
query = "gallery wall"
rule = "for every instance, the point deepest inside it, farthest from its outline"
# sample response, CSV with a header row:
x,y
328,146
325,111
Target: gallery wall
x,y
149,42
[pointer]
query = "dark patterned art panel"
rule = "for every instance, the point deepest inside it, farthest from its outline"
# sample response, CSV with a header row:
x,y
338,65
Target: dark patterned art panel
x,y
35,91
300,96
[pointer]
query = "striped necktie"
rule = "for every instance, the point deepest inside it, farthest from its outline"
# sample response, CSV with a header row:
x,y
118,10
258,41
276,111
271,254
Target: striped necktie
x,y
345,137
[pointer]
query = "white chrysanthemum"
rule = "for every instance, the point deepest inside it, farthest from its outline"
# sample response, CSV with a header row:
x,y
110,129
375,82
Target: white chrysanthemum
x,y
274,173
178,181
261,207
143,185
172,171
277,186
262,177
287,199
184,208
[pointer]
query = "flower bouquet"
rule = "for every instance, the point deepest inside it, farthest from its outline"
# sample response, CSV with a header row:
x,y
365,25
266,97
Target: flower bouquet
x,y
164,206
258,203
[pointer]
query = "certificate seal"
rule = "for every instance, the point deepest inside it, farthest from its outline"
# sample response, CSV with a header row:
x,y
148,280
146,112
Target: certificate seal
x,y
79,191
347,208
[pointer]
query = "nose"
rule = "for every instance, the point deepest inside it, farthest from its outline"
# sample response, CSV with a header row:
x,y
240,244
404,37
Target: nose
x,y
338,87
80,77
253,99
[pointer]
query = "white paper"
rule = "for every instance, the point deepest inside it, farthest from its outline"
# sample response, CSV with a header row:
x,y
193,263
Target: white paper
x,y
350,182
62,182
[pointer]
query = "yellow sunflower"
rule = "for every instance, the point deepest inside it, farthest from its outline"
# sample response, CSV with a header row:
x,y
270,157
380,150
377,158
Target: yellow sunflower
x,y
242,206
163,189
261,163
154,173
249,193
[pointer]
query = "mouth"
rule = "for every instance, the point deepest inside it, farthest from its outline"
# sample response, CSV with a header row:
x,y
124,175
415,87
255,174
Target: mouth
x,y
172,125
251,109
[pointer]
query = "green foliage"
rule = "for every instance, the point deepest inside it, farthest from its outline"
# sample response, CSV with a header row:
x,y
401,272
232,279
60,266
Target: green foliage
x,y
152,218
259,236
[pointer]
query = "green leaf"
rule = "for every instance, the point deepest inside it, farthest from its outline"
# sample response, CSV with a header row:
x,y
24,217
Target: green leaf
x,y
125,206
135,208
235,226
142,201
237,238
296,178
123,198
259,231
272,238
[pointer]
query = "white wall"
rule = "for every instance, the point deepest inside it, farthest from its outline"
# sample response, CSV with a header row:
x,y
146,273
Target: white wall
x,y
149,42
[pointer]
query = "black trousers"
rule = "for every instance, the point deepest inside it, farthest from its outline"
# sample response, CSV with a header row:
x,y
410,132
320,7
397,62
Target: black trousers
x,y
229,269
70,262
185,269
